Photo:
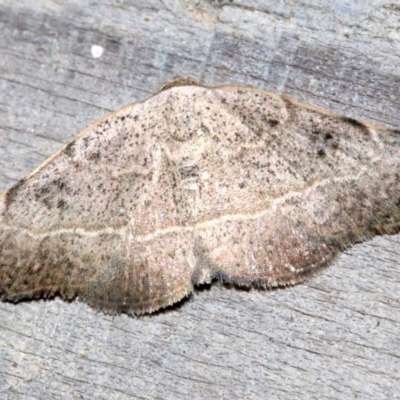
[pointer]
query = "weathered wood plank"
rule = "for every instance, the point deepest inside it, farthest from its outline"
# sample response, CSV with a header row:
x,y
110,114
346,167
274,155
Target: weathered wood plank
x,y
334,337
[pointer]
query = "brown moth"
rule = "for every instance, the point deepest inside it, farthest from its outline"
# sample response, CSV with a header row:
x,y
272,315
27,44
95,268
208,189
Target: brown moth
x,y
191,185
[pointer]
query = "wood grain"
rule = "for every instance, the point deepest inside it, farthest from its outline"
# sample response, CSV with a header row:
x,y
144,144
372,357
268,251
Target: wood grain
x,y
333,337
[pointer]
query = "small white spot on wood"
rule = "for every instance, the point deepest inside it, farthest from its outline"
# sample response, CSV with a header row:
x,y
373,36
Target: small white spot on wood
x,y
97,51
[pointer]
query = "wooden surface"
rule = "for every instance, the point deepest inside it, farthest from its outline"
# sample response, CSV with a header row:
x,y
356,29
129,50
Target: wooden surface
x,y
335,337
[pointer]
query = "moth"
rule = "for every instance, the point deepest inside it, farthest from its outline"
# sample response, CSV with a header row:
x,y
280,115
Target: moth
x,y
196,184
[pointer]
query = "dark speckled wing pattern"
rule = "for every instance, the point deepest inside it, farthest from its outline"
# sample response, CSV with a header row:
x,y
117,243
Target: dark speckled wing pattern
x,y
193,184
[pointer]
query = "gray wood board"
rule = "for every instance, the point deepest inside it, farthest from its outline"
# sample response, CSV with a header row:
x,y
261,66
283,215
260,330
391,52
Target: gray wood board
x,y
336,336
